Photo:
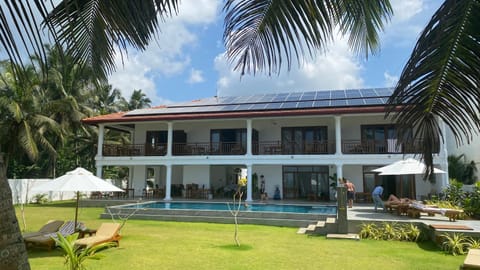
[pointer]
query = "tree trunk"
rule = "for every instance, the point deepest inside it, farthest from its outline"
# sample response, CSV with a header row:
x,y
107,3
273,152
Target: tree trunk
x,y
13,254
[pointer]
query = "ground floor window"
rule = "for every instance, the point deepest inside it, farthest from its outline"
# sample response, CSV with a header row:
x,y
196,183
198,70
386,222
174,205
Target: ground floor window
x,y
306,182
402,186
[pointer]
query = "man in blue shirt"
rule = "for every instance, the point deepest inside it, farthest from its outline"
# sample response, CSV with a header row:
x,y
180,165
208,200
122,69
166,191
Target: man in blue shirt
x,y
377,197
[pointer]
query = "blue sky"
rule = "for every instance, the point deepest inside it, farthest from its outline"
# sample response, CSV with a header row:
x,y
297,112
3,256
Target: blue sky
x,y
186,62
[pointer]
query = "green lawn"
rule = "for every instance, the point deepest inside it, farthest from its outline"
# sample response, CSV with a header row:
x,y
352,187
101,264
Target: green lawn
x,y
181,245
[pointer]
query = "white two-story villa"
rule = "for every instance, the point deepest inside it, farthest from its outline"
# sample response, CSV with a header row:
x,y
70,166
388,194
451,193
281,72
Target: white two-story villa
x,y
298,143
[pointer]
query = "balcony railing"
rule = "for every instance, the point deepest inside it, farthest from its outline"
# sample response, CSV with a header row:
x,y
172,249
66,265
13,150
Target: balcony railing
x,y
264,148
382,147
293,148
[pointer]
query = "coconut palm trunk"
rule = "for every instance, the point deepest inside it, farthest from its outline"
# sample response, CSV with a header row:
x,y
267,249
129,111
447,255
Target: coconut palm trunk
x,y
13,254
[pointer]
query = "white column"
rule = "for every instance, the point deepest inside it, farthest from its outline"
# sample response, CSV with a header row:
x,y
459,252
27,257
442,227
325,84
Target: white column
x,y
249,183
338,135
168,184
101,132
99,171
170,139
443,156
339,172
249,137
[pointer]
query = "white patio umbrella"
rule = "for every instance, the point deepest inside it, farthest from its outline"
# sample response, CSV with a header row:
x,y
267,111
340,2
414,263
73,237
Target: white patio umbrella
x,y
405,167
78,180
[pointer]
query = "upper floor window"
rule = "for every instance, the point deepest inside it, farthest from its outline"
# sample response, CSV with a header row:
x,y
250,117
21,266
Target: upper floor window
x,y
304,139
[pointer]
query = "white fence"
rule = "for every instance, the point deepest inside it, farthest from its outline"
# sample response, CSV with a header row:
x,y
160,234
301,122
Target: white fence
x,y
22,191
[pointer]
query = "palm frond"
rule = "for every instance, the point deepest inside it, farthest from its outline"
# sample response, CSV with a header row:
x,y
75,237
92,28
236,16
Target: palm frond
x,y
90,30
258,35
441,79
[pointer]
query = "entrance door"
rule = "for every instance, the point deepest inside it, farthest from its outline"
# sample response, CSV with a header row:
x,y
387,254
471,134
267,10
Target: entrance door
x,y
305,182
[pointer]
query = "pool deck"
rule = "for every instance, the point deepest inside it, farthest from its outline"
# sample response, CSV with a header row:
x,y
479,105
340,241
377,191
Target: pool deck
x,y
360,213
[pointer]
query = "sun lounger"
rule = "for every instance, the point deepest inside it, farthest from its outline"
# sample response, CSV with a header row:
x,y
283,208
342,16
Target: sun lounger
x,y
48,240
107,232
416,208
399,205
51,226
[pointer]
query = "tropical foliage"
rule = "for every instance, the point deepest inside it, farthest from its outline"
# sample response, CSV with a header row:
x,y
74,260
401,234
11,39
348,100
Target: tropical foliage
x,y
391,231
461,170
458,243
440,80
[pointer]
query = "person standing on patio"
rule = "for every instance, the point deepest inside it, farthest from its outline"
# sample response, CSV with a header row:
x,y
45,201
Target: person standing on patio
x,y
377,197
263,193
350,192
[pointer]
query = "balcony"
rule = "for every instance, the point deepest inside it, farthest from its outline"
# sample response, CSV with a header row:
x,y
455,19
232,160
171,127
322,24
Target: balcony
x,y
293,148
264,148
381,147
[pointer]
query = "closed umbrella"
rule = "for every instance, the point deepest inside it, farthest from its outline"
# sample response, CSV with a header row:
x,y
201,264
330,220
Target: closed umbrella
x,y
405,167
78,180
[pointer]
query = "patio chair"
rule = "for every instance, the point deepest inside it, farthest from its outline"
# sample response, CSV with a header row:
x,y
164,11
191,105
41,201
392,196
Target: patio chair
x,y
48,240
416,208
107,232
51,226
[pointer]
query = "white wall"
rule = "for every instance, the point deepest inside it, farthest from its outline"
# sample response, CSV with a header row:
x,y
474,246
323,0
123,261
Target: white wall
x,y
273,177
22,190
198,174
139,177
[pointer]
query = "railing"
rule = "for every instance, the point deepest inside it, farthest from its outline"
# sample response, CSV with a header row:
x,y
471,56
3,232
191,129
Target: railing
x,y
293,148
264,148
200,148
381,147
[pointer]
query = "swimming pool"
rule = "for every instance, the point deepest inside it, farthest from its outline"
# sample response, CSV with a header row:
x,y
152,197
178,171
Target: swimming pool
x,y
290,215
209,206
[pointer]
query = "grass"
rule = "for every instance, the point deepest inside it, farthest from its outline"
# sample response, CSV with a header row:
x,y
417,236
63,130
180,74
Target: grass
x,y
183,245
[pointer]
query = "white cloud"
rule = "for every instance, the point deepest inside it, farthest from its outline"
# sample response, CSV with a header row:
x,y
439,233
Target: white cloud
x,y
390,80
336,69
404,10
168,55
195,76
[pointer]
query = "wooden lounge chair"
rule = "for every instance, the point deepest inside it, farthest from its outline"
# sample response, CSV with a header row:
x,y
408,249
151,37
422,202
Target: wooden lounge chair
x,y
48,240
51,226
107,232
416,208
400,206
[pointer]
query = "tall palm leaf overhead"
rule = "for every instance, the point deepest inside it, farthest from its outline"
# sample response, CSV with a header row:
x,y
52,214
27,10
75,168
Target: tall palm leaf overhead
x,y
442,78
259,34
90,29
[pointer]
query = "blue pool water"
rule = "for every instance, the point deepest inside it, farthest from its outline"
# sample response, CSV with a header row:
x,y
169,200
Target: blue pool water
x,y
278,208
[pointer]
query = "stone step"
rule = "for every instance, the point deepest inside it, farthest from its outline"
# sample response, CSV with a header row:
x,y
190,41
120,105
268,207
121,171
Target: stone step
x,y
331,220
311,227
349,236
302,230
321,224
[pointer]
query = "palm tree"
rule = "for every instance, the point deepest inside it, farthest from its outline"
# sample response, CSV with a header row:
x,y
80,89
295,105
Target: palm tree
x,y
138,100
441,79
23,131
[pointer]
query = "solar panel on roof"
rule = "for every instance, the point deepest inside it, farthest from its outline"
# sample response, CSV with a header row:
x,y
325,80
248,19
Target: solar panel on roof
x,y
305,104
368,93
339,102
321,103
352,94
289,105
273,106
259,106
298,100
322,95
373,101
355,102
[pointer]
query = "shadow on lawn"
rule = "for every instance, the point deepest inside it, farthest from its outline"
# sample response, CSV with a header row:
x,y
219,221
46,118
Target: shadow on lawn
x,y
41,253
428,246
235,247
